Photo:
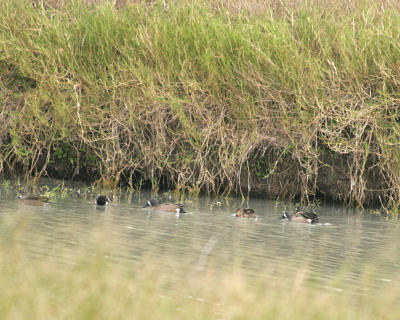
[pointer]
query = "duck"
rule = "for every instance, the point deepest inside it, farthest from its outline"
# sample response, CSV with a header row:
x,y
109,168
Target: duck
x,y
102,200
301,216
34,200
166,207
245,213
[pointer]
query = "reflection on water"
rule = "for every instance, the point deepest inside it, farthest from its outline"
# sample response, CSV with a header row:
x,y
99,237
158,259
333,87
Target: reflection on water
x,y
209,236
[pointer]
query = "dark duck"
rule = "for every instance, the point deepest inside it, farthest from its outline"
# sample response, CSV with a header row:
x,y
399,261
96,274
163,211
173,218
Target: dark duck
x,y
245,213
102,200
301,216
166,207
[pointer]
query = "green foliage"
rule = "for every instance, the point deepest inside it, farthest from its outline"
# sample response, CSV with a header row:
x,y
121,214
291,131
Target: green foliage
x,y
191,91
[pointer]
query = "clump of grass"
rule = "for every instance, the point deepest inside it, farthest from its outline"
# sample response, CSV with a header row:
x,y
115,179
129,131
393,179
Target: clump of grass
x,y
287,99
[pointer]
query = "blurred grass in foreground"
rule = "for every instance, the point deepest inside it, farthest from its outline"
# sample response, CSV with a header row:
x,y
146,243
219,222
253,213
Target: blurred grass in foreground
x,y
93,281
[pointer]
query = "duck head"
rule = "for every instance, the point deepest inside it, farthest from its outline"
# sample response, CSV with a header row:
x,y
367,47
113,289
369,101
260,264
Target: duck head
x,y
286,215
151,203
102,200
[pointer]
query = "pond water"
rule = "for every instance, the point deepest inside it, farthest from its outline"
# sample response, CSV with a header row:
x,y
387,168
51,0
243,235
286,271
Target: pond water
x,y
209,236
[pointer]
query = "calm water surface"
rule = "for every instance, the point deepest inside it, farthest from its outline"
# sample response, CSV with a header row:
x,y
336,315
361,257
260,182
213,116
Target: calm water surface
x,y
343,243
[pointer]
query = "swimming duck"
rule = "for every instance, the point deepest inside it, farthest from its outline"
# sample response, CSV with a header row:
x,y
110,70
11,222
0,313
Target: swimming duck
x,y
167,207
102,200
308,214
301,216
245,213
34,200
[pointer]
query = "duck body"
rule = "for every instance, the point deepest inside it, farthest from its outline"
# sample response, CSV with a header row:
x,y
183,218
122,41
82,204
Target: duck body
x,y
307,214
166,207
301,216
102,200
245,213
34,200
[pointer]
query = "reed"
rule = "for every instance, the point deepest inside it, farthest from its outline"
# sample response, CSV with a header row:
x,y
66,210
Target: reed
x,y
290,99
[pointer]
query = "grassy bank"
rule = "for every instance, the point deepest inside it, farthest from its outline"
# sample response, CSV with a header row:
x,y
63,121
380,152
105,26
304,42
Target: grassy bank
x,y
291,99
91,280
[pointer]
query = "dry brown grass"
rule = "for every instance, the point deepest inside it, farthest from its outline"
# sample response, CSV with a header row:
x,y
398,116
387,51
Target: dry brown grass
x,y
295,99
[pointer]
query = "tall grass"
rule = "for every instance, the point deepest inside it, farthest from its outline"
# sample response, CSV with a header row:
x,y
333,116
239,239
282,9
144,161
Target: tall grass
x,y
289,99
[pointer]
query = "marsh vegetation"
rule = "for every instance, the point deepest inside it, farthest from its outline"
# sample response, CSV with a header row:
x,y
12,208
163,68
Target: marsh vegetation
x,y
290,99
